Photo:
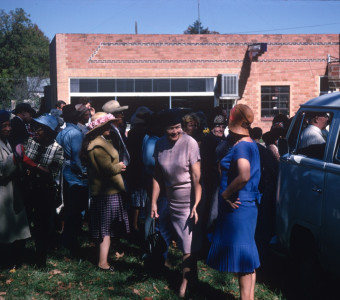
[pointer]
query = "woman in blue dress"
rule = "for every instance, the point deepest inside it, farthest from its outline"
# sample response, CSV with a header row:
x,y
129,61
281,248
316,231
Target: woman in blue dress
x,y
233,247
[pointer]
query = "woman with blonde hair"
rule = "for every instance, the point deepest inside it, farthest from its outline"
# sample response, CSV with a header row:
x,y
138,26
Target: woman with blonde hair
x,y
191,124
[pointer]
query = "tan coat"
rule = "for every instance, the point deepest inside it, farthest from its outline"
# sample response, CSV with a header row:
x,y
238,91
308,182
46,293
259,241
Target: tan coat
x,y
104,170
13,219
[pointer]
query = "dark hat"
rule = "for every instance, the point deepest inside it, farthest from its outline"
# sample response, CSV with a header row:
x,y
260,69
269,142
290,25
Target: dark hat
x,y
140,116
4,116
240,119
23,107
171,117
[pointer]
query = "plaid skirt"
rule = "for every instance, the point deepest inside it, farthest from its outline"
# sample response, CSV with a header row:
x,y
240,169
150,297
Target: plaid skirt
x,y
108,216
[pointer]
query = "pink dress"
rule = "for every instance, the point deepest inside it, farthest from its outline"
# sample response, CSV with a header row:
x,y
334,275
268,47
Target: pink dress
x,y
174,160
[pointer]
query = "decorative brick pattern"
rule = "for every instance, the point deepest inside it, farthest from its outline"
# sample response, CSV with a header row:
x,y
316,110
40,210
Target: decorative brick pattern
x,y
154,61
294,60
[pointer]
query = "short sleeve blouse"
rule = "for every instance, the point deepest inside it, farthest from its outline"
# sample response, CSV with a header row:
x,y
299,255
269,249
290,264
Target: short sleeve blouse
x,y
248,151
175,160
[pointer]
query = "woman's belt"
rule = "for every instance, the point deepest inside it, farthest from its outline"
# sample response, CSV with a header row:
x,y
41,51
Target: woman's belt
x,y
250,196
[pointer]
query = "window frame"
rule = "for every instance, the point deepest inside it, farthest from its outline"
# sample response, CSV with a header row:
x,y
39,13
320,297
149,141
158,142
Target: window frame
x,y
265,111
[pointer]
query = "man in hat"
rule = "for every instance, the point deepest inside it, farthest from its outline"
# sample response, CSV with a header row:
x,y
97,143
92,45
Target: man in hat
x,y
75,178
21,127
117,135
316,132
84,117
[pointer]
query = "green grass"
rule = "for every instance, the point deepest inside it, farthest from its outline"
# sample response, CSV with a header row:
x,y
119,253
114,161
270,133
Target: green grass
x,y
66,278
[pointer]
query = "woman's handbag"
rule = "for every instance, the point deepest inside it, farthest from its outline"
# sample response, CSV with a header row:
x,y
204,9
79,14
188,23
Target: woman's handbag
x,y
155,246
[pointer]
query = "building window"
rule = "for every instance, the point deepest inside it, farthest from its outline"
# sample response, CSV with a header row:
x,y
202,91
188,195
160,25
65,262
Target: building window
x,y
107,85
324,86
88,86
274,101
161,85
148,85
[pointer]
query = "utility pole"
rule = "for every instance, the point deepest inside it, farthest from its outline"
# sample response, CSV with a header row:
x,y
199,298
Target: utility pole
x,y
199,19
136,28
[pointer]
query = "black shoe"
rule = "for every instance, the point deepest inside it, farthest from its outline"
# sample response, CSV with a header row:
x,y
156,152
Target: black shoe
x,y
110,269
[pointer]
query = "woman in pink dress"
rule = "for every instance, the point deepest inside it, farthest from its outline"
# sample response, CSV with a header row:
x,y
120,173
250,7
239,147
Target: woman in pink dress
x,y
178,170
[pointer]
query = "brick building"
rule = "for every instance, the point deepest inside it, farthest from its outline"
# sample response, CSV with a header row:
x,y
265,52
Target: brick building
x,y
270,73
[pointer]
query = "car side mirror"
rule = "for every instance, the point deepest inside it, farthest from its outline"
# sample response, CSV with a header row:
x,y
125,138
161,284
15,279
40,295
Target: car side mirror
x,y
282,144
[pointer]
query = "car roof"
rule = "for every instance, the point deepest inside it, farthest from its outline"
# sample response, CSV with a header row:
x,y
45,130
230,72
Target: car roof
x,y
331,100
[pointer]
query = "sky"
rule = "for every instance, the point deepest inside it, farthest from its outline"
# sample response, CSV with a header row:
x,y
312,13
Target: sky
x,y
174,16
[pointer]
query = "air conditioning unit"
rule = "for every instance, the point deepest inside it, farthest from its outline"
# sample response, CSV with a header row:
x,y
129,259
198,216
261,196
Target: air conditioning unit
x,y
229,86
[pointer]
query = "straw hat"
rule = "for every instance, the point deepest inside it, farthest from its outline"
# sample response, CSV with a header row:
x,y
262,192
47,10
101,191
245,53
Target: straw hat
x,y
240,119
113,106
99,120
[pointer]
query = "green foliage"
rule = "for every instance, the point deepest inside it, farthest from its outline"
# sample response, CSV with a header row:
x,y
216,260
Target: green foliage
x,y
24,52
197,28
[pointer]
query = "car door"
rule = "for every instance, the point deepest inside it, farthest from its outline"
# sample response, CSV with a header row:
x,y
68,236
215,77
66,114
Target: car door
x,y
301,186
330,233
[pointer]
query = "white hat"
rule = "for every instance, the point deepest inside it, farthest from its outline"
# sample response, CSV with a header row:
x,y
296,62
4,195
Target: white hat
x,y
113,106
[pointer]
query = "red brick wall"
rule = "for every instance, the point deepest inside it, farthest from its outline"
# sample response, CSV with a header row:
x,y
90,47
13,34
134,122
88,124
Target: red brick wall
x,y
295,60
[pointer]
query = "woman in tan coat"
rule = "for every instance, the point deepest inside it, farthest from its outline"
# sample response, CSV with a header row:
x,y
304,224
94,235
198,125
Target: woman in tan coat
x,y
108,215
13,221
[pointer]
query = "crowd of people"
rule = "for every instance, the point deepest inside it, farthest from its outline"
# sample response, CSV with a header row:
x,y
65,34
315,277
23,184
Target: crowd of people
x,y
200,175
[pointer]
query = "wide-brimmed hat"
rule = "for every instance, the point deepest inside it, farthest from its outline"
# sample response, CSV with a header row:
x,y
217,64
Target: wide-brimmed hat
x,y
47,120
23,107
99,120
4,116
240,119
140,116
113,106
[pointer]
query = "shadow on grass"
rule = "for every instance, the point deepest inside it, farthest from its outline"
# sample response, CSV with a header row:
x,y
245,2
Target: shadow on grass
x,y
282,275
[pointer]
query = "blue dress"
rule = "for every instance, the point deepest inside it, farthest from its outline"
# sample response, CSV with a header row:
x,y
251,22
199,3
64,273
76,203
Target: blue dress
x,y
233,247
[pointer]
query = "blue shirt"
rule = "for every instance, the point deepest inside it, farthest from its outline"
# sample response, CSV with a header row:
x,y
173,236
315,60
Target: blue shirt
x,y
71,139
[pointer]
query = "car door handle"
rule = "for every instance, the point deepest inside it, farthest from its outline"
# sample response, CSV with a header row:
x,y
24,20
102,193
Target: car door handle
x,y
315,189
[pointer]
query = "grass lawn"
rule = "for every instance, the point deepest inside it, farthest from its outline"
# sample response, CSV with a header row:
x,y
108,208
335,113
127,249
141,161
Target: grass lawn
x,y
66,278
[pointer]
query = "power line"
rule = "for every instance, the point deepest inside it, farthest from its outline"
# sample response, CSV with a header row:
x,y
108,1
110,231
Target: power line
x,y
288,28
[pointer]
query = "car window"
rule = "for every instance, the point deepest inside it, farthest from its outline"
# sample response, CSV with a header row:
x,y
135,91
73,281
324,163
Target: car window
x,y
299,125
310,132
337,151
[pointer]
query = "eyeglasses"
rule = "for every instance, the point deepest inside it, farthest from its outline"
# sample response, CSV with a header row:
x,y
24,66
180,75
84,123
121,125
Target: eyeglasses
x,y
222,126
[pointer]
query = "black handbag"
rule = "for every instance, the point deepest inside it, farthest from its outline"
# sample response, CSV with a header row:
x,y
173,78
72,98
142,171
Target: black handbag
x,y
155,246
